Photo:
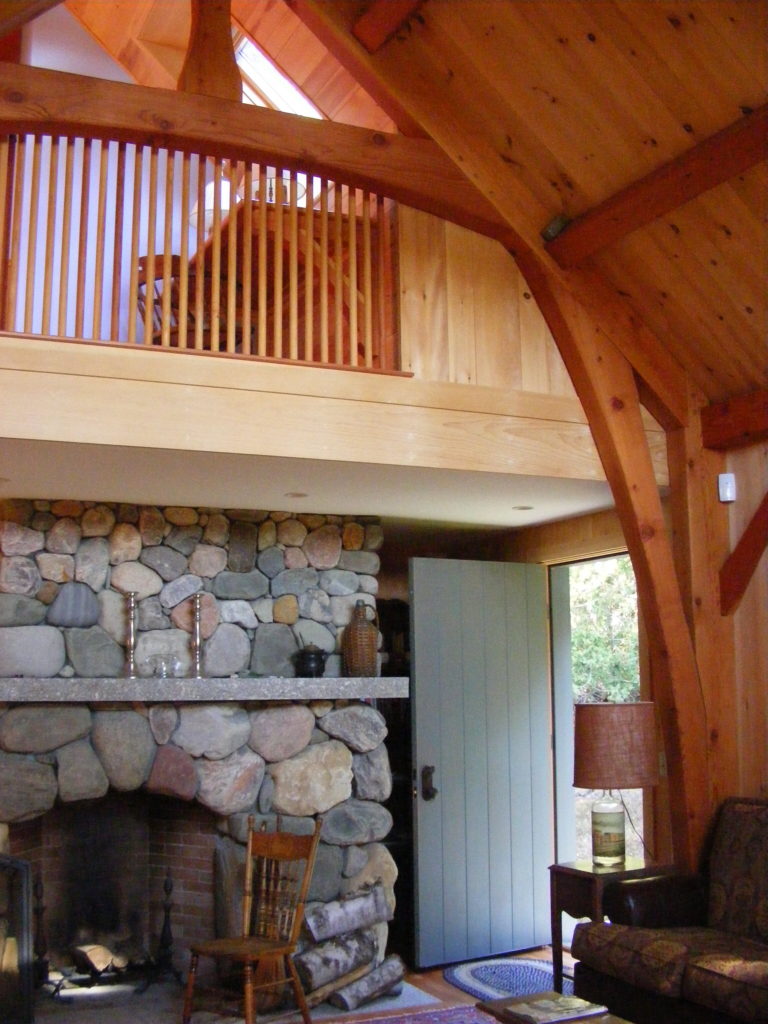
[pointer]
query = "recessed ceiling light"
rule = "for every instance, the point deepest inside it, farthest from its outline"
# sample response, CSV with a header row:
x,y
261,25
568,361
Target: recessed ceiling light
x,y
295,494
522,508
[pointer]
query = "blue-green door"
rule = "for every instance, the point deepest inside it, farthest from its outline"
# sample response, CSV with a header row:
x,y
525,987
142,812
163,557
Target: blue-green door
x,y
480,700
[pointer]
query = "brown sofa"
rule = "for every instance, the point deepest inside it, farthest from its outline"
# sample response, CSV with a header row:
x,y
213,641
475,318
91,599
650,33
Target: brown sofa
x,y
687,948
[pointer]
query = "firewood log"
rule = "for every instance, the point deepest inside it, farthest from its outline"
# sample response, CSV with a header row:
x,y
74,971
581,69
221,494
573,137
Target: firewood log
x,y
376,983
321,964
349,914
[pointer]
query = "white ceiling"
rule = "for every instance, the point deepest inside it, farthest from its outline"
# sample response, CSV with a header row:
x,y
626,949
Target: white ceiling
x,y
50,470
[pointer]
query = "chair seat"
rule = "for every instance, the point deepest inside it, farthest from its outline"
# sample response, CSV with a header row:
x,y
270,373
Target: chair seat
x,y
243,948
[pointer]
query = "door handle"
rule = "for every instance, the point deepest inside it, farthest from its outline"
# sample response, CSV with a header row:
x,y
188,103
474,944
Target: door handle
x,y
428,791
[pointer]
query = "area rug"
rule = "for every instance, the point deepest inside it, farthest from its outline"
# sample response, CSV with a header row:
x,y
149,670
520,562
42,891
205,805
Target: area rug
x,y
454,1015
504,976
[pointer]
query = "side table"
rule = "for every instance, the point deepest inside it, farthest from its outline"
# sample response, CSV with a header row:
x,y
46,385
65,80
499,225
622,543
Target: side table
x,y
577,887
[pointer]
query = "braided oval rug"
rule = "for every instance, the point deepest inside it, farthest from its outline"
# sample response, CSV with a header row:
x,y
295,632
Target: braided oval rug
x,y
504,976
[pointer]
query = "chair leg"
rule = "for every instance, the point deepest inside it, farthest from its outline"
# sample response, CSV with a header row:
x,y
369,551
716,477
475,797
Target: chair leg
x,y
186,1013
298,990
248,992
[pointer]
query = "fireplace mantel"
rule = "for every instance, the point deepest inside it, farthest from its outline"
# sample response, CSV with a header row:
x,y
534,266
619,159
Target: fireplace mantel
x,y
152,690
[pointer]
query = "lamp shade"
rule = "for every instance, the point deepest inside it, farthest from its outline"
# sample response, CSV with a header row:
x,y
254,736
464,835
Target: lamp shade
x,y
615,746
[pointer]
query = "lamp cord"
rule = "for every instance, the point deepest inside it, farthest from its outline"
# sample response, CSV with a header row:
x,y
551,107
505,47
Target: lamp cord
x,y
648,855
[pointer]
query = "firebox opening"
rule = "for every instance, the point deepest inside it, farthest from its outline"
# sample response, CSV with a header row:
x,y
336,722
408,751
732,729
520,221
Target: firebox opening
x,y
101,871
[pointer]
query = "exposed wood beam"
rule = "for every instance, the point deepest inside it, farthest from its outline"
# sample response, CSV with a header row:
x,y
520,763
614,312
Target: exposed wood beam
x,y
210,68
699,534
413,171
398,70
14,14
10,46
355,61
740,565
381,20
605,385
716,160
737,423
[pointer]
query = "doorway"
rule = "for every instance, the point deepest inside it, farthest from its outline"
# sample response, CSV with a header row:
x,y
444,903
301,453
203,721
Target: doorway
x,y
595,658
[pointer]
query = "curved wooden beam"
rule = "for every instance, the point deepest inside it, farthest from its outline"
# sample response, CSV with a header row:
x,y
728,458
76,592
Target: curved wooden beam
x,y
412,171
605,384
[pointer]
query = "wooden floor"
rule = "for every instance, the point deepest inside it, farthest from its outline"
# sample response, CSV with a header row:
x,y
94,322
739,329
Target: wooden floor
x,y
433,982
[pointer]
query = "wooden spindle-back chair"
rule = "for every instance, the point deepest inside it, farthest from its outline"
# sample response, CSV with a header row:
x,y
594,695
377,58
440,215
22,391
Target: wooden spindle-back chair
x,y
278,870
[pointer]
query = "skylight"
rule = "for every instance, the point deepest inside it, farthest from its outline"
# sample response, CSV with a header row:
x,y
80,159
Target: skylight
x,y
265,85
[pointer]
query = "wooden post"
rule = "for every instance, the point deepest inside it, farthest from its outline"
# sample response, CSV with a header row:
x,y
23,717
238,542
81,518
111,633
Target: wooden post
x,y
606,386
210,67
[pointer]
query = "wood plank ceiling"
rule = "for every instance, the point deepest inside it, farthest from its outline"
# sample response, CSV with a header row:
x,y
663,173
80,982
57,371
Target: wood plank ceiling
x,y
562,105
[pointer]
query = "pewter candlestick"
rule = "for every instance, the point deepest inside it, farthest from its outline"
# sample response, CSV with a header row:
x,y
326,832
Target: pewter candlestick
x,y
130,642
196,635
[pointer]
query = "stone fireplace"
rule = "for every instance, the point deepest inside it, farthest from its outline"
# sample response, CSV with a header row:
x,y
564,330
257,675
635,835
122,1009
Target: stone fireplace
x,y
160,771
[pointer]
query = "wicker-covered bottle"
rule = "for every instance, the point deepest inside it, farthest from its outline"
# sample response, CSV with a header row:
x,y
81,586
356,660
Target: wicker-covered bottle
x,y
360,642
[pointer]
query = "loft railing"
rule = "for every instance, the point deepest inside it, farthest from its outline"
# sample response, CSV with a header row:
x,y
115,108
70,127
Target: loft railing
x,y
110,241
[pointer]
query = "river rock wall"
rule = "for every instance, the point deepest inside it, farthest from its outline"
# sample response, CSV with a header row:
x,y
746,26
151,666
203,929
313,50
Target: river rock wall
x,y
271,583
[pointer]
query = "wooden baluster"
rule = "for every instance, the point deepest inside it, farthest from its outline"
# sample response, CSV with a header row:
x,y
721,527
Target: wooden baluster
x,y
100,283
31,223
338,276
278,299
367,282
324,341
293,269
50,235
352,274
232,300
117,257
247,288
151,269
309,271
216,258
82,285
133,287
66,234
200,256
262,301
14,261
184,213
384,286
166,317
7,157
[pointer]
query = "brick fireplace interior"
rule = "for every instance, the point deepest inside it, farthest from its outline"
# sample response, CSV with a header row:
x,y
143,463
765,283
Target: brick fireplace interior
x,y
103,866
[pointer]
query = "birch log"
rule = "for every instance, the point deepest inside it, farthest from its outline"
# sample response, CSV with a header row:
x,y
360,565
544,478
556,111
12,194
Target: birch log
x,y
329,960
348,914
377,983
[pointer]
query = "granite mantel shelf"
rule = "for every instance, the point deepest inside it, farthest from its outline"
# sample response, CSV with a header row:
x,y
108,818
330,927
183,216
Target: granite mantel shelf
x,y
172,690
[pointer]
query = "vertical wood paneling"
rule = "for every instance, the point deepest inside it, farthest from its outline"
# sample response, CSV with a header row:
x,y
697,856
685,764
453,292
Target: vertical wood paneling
x,y
466,314
480,700
423,295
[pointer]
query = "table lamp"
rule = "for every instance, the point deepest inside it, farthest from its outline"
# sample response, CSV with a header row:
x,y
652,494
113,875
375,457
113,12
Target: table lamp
x,y
614,748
